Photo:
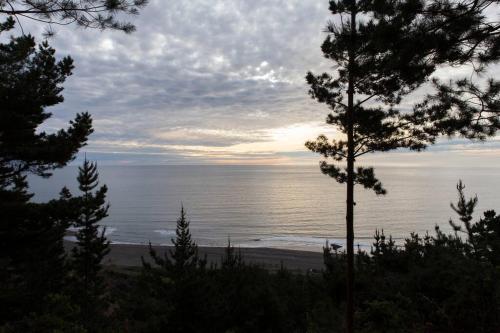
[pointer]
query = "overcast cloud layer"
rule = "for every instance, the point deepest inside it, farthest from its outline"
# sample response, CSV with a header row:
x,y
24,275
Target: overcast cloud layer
x,y
212,81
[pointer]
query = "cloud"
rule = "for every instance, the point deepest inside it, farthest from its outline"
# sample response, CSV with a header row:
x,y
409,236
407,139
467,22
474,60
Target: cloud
x,y
201,81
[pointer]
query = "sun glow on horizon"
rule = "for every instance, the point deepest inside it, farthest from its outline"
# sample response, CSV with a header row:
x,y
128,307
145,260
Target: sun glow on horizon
x,y
265,146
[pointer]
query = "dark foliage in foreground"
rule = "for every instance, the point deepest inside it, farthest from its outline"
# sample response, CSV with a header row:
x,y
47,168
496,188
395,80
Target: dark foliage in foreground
x,y
431,283
32,257
184,255
382,51
42,289
85,278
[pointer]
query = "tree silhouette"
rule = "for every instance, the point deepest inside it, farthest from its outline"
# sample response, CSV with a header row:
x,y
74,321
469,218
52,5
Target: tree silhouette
x,y
31,249
486,237
464,208
231,259
483,236
185,252
458,33
91,246
383,51
373,64
98,14
184,255
31,234
30,81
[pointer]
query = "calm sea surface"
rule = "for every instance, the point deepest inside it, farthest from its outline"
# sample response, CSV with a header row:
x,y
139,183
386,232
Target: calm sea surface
x,y
273,206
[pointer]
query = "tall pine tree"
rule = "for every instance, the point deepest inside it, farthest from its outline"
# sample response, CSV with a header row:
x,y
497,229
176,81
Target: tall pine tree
x,y
91,246
383,51
370,48
178,279
31,250
31,78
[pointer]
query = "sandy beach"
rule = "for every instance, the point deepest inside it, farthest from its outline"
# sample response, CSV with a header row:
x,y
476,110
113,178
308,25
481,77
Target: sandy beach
x,y
125,255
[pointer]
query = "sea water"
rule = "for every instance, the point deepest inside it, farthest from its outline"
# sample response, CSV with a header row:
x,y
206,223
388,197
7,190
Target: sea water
x,y
293,207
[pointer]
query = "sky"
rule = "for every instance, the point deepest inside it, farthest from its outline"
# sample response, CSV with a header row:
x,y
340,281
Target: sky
x,y
216,82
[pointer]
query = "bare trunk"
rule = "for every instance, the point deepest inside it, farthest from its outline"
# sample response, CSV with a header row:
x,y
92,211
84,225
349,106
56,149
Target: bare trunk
x,y
350,179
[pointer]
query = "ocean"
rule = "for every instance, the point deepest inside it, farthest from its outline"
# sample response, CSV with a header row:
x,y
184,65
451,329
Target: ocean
x,y
293,207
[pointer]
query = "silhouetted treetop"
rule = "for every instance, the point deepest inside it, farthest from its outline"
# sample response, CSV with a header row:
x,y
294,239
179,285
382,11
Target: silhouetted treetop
x,y
391,49
458,32
378,62
184,254
464,208
461,108
381,52
30,81
91,246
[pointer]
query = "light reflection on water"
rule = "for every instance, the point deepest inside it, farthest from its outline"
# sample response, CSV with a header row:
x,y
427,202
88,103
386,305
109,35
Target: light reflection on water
x,y
273,206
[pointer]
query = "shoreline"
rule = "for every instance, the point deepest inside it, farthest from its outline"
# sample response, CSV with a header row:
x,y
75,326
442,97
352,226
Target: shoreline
x,y
129,256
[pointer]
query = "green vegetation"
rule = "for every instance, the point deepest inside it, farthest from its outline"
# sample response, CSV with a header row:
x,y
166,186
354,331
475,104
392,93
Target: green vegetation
x,y
383,51
430,283
87,288
32,255
184,255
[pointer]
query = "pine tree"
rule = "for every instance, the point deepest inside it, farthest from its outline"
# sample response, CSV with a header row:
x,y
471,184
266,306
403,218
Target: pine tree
x,y
458,33
464,208
383,51
31,78
486,237
91,246
231,260
31,248
185,252
483,236
371,49
100,14
184,255
30,81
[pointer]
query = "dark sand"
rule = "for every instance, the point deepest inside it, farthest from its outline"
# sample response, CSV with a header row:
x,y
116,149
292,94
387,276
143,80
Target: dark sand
x,y
123,255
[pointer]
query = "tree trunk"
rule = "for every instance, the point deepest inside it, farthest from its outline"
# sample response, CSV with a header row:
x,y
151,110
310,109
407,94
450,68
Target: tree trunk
x,y
350,178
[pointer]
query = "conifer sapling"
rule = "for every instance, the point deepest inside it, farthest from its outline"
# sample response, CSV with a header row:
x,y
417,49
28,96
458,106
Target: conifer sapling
x,y
92,244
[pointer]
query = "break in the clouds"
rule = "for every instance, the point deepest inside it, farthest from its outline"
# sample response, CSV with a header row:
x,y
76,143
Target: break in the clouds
x,y
203,81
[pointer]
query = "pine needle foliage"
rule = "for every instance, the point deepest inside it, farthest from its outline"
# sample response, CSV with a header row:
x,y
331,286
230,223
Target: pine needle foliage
x,y
370,45
96,14
30,81
185,252
464,208
382,51
183,256
231,259
92,245
31,234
